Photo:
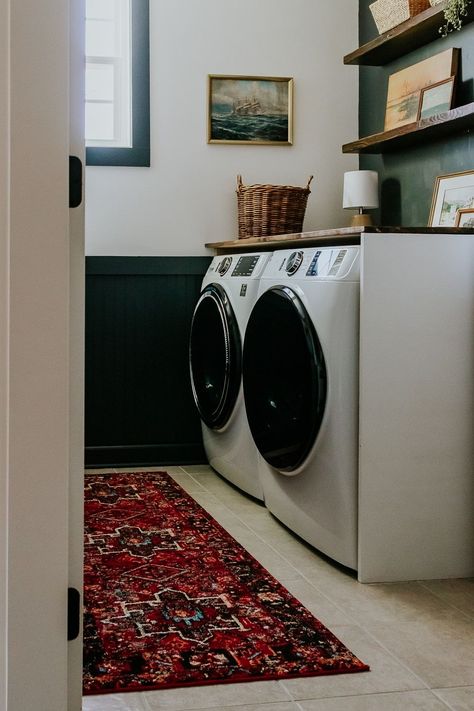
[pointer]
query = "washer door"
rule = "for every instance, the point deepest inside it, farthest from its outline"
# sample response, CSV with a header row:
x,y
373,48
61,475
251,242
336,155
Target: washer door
x,y
285,380
215,353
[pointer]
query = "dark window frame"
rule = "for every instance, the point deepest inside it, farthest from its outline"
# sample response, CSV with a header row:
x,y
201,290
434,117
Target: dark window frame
x,y
139,153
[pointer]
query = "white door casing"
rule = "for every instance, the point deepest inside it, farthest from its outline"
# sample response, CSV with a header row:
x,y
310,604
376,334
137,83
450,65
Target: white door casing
x,y
76,340
34,355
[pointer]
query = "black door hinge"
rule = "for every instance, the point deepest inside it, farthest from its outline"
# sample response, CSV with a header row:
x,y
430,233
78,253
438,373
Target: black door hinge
x,y
73,614
75,181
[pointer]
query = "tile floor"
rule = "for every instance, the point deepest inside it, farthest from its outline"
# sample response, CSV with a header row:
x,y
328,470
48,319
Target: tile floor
x,y
417,637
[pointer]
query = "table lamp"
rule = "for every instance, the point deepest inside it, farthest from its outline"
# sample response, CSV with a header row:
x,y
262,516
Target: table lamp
x,y
361,192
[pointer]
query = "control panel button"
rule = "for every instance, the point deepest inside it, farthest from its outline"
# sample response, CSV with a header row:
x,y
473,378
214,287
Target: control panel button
x,y
294,262
224,266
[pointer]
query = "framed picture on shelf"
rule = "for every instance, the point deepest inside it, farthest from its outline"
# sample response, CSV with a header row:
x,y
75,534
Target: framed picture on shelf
x,y
250,110
436,99
465,218
452,193
405,87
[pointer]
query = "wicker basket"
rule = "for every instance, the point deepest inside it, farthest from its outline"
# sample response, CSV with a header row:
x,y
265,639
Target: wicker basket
x,y
390,13
266,210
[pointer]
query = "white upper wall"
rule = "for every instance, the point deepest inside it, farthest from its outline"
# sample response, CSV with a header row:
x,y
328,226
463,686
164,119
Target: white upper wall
x,y
187,197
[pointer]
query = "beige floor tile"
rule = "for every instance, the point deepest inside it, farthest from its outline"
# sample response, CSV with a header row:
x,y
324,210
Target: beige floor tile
x,y
290,706
99,471
186,481
138,468
311,564
269,558
198,469
459,593
316,603
461,699
441,653
386,674
401,701
370,605
216,696
115,702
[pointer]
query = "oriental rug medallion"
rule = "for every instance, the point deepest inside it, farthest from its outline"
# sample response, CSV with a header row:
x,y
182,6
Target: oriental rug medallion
x,y
171,599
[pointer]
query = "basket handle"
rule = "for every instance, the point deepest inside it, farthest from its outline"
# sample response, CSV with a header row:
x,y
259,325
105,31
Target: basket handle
x,y
309,181
239,181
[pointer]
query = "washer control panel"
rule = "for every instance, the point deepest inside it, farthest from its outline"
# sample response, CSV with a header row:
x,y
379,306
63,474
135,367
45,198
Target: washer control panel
x,y
315,263
242,266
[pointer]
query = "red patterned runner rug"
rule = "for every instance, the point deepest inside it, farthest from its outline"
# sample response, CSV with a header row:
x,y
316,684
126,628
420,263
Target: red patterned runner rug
x,y
171,599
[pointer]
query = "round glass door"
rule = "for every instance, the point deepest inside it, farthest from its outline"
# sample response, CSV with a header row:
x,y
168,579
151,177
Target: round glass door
x,y
215,357
284,376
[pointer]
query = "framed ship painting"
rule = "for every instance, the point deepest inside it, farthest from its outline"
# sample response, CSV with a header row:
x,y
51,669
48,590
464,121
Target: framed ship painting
x,y
250,110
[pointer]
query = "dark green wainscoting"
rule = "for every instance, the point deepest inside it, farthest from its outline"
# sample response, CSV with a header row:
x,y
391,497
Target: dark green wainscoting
x,y
407,176
139,405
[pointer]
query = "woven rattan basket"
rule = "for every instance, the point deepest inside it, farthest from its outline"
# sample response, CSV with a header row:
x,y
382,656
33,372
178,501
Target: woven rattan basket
x,y
390,13
266,210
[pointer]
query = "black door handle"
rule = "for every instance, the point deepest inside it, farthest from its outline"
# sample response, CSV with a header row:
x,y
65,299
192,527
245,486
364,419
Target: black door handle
x,y
75,181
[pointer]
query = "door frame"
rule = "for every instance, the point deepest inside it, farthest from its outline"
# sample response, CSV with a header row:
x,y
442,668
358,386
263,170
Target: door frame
x,y
34,353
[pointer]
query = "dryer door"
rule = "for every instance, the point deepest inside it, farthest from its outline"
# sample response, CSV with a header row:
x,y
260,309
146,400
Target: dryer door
x,y
215,357
284,376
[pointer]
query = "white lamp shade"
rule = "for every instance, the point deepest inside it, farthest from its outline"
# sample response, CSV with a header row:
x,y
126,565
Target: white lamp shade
x,y
361,189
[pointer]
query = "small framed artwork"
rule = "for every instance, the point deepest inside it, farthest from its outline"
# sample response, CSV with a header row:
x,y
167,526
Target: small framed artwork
x,y
436,99
405,87
250,110
465,218
451,193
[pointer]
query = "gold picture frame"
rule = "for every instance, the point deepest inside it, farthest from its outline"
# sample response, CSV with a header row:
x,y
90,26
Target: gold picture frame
x,y
250,110
465,218
436,99
452,192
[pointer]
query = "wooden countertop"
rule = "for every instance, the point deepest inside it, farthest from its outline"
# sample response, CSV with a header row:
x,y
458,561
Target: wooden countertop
x,y
337,236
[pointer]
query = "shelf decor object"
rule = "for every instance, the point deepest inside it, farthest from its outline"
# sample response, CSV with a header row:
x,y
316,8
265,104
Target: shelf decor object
x,y
410,35
454,13
265,210
390,13
436,99
361,192
465,218
452,193
249,110
406,85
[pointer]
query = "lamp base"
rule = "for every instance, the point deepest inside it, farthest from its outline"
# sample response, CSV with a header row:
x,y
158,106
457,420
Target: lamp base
x,y
363,220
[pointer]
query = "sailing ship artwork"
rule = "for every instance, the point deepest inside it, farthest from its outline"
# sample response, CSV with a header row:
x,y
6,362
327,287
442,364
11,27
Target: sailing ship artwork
x,y
250,110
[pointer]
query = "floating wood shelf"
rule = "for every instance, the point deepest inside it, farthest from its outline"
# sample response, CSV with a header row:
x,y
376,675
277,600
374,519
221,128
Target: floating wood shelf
x,y
409,35
320,238
430,129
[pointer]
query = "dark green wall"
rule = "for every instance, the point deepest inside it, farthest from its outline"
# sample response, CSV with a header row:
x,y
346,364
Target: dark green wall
x,y
139,406
407,176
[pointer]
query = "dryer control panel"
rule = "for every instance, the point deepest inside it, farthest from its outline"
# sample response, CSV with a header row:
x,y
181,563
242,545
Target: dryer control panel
x,y
315,263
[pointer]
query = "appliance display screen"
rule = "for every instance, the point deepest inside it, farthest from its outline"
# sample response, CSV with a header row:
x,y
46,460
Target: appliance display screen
x,y
245,266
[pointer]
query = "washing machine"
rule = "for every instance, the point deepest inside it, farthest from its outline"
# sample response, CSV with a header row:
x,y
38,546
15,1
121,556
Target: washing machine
x,y
300,379
229,292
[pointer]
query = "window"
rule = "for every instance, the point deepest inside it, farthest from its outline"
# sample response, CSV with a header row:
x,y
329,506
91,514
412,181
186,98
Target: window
x,y
117,83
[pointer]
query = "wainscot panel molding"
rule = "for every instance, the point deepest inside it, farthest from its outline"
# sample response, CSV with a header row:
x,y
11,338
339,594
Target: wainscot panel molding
x,y
139,405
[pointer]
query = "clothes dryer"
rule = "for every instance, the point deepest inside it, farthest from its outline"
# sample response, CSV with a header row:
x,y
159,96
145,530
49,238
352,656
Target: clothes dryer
x,y
300,376
229,292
